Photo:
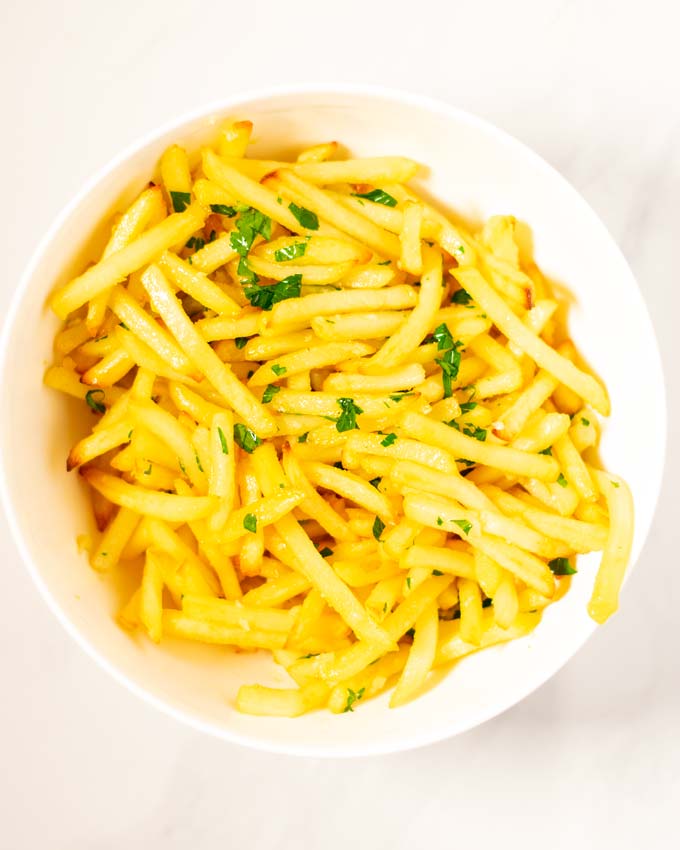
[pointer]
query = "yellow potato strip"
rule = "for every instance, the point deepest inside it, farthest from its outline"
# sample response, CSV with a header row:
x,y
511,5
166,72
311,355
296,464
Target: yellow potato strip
x,y
546,357
310,306
399,346
161,505
317,357
196,284
115,268
508,459
218,374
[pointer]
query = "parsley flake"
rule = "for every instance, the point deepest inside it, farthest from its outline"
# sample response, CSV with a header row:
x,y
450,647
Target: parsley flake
x,y
266,296
278,370
250,523
561,567
223,209
378,196
223,441
461,296
180,200
562,481
241,342
94,399
246,438
307,218
348,418
463,524
290,252
389,440
352,697
269,392
378,527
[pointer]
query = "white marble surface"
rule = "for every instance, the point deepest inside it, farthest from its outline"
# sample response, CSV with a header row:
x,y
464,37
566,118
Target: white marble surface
x,y
590,760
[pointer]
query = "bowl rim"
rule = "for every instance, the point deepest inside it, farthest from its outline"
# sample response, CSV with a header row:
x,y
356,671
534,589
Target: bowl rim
x,y
220,106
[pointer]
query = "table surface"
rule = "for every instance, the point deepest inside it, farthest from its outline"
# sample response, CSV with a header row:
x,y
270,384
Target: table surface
x,y
593,758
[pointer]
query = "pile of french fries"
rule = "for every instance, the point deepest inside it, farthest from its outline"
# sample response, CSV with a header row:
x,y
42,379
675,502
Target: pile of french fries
x,y
326,421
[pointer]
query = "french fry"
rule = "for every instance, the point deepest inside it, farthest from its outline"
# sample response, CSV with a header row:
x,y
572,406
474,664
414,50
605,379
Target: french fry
x,y
316,357
354,301
161,505
504,458
280,702
197,284
179,625
349,486
546,357
151,597
470,611
415,328
113,540
421,657
605,597
220,376
115,268
98,443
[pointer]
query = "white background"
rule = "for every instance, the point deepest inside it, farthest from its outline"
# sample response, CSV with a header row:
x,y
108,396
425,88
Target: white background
x,y
590,760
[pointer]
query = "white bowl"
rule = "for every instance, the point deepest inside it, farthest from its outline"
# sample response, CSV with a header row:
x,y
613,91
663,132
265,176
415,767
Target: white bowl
x,y
475,169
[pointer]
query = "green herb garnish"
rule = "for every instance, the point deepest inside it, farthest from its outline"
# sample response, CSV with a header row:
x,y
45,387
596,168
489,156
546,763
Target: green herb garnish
x,y
269,392
348,418
562,481
352,697
223,209
378,196
475,431
266,296
378,527
561,567
223,441
389,440
246,438
278,370
326,552
241,341
307,218
290,252
180,200
463,524
461,296
250,523
94,399
303,437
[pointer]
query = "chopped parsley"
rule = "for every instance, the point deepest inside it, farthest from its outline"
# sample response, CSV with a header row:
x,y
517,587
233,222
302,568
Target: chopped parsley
x,y
303,437
487,603
461,296
475,431
442,336
290,252
196,242
307,218
378,527
389,440
180,200
385,263
266,296
562,481
124,326
440,521
378,196
467,406
147,471
244,271
463,524
437,573
250,523
269,392
616,484
375,482
326,552
402,394
408,582
94,399
450,364
223,209
241,342
585,421
223,441
248,225
547,451
352,697
561,567
348,418
198,461
246,438
278,370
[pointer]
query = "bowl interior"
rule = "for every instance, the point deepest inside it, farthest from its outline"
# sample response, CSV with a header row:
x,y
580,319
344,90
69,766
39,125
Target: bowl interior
x,y
474,170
